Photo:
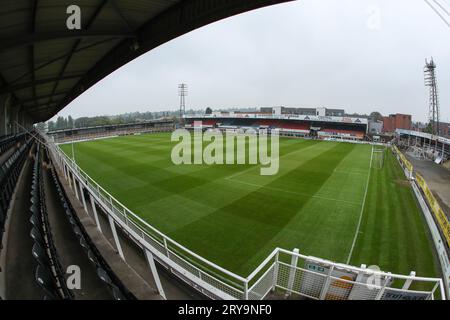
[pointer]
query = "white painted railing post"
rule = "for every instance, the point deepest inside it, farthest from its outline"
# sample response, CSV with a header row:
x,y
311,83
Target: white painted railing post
x,y
246,290
82,197
75,186
69,177
94,210
408,281
166,247
65,172
275,271
125,216
361,274
383,289
292,272
151,263
116,237
323,293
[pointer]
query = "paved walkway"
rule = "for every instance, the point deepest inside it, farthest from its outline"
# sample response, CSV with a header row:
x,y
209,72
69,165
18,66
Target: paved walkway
x,y
437,178
68,247
129,277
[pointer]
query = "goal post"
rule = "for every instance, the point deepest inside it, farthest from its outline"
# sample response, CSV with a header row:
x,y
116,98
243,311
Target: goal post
x,y
378,157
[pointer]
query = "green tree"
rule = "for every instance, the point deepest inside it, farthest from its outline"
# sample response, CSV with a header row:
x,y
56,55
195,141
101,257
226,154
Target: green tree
x,y
51,126
428,128
61,123
70,122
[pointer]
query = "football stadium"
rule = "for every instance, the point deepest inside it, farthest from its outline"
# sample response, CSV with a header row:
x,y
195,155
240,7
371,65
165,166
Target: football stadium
x,y
276,203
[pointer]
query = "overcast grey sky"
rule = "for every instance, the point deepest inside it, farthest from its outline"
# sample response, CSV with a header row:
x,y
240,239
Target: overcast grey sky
x,y
361,55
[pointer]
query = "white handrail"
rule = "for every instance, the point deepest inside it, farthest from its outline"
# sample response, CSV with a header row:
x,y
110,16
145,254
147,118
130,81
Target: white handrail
x,y
74,166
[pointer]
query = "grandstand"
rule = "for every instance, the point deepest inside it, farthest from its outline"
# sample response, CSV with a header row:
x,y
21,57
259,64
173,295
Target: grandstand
x,y
433,147
321,127
108,131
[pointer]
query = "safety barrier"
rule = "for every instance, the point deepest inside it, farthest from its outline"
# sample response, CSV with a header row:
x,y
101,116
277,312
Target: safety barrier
x,y
405,164
429,205
103,270
435,208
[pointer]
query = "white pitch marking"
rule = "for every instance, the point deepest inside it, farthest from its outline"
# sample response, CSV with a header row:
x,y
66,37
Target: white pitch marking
x,y
292,192
349,172
362,210
257,167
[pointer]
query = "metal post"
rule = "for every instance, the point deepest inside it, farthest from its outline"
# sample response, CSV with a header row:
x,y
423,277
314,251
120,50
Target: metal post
x,y
116,238
151,263
125,216
323,293
246,290
82,197
166,247
408,282
380,294
75,186
94,210
65,171
275,271
68,177
361,274
292,272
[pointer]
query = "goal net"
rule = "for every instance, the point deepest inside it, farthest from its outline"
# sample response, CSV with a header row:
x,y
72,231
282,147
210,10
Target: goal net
x,y
378,155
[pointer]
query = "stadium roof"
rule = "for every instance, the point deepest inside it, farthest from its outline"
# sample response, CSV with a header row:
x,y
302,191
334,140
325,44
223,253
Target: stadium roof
x,y
45,66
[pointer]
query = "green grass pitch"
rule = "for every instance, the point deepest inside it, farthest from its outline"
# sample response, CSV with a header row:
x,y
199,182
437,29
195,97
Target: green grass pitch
x,y
325,200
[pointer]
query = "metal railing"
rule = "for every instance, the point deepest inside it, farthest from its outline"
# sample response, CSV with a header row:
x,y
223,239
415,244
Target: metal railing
x,y
282,272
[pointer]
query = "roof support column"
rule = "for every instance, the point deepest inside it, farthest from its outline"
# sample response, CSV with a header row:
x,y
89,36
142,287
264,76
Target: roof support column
x,y
5,115
21,120
14,117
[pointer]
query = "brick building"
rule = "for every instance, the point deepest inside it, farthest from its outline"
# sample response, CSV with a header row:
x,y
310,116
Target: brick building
x,y
397,121
444,129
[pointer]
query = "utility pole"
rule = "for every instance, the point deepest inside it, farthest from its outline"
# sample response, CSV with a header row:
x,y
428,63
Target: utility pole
x,y
431,82
182,92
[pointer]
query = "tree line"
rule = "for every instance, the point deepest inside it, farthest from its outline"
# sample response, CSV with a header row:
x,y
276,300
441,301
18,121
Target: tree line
x,y
62,123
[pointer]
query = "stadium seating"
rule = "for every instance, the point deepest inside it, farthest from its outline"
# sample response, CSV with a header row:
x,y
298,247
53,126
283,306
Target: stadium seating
x,y
295,125
104,272
268,123
209,122
9,174
7,142
343,133
49,274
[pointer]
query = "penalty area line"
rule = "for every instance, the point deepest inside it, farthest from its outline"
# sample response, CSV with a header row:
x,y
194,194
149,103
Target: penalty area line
x,y
362,210
292,192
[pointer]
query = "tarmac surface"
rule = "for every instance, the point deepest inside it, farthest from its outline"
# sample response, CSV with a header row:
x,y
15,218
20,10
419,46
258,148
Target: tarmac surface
x,y
437,178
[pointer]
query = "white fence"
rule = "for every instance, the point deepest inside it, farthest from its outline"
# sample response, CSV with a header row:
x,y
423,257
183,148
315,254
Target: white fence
x,y
281,273
433,226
